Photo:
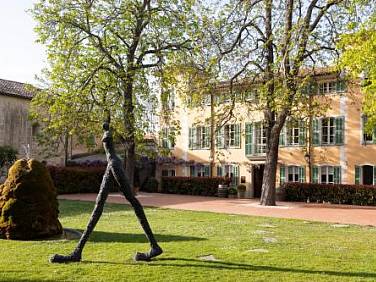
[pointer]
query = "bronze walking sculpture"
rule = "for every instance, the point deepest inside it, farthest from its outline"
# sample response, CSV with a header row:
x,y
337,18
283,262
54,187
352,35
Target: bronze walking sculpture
x,y
114,171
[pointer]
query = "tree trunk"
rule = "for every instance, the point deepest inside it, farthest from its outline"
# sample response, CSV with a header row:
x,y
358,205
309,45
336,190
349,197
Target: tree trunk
x,y
129,126
268,180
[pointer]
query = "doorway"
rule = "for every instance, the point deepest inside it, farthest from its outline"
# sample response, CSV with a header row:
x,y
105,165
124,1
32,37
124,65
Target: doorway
x,y
257,175
367,175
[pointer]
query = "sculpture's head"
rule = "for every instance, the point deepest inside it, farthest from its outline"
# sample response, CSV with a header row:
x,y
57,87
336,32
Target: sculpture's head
x,y
107,135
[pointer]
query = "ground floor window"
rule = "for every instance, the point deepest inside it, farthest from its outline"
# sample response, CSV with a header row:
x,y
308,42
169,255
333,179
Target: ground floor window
x,y
292,174
168,172
199,170
230,171
326,174
365,175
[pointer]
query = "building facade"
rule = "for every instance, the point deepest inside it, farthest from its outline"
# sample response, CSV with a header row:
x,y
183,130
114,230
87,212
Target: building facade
x,y
332,147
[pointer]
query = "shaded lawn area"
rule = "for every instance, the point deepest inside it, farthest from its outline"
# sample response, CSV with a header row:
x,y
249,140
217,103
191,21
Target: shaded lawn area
x,y
246,248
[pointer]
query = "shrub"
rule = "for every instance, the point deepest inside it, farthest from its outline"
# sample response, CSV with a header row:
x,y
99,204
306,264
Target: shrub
x,y
70,180
204,186
364,195
8,155
150,185
232,191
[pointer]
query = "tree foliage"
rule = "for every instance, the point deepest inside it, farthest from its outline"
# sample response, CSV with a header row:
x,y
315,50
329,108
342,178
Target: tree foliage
x,y
102,55
359,58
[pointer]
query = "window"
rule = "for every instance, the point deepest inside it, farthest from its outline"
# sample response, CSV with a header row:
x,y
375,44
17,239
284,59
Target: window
x,y
332,87
228,136
231,171
365,175
326,174
168,172
293,133
292,174
168,138
260,138
199,171
255,138
199,138
329,131
367,137
251,95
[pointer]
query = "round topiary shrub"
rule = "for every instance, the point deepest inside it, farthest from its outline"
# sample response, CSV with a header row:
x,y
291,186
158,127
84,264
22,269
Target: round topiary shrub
x,y
28,204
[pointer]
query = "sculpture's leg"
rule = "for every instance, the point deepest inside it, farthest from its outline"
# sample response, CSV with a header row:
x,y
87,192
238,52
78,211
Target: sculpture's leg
x,y
120,177
75,256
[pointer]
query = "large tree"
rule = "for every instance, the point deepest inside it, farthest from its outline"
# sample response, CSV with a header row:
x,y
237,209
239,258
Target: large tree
x,y
102,54
278,45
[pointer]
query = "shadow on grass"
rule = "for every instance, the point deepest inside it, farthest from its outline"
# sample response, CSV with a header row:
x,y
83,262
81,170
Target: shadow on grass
x,y
249,267
101,236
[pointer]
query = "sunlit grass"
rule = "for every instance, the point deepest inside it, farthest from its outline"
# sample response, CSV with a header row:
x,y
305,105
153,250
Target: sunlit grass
x,y
245,248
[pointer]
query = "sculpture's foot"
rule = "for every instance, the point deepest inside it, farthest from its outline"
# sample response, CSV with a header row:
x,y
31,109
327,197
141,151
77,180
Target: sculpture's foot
x,y
156,251
65,259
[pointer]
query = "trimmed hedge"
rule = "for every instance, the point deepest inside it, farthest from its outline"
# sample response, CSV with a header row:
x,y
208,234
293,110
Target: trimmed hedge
x,y
363,195
203,186
70,180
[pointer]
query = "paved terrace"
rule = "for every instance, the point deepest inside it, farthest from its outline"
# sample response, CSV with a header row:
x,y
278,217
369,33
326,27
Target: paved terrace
x,y
342,214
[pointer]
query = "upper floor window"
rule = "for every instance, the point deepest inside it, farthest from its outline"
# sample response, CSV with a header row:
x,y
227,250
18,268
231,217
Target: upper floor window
x,y
291,174
199,137
255,138
293,133
228,136
329,131
367,137
336,86
326,174
167,138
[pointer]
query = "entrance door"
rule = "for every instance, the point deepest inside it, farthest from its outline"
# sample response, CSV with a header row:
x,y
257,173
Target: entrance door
x,y
258,172
367,175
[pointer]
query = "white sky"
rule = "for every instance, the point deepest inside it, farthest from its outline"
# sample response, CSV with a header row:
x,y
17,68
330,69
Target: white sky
x,y
20,57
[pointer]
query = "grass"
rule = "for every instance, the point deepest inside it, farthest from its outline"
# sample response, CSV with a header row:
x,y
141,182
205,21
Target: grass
x,y
247,249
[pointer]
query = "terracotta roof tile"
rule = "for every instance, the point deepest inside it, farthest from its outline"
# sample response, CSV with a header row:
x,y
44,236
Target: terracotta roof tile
x,y
14,88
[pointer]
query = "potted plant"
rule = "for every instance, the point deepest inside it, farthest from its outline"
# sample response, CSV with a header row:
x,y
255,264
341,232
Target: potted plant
x,y
232,192
241,191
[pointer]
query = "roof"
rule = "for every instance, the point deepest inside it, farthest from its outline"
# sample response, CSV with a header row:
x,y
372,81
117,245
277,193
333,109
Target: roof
x,y
15,89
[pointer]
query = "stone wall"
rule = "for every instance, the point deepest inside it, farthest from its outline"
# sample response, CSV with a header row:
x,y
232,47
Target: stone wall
x,y
15,127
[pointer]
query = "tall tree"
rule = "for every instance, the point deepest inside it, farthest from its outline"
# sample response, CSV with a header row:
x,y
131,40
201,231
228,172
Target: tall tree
x,y
278,44
101,56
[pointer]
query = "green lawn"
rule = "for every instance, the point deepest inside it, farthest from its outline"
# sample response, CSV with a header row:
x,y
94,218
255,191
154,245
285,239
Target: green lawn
x,y
246,248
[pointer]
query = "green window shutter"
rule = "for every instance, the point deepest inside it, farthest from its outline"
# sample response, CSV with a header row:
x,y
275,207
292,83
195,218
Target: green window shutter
x,y
357,174
374,175
236,175
374,136
282,136
190,136
206,170
237,135
337,174
315,174
302,177
192,170
219,171
340,122
302,132
249,139
316,132
282,175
